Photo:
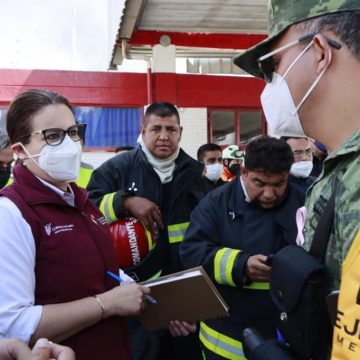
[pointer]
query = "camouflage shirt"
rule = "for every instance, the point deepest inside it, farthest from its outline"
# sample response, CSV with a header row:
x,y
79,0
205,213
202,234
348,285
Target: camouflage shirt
x,y
341,174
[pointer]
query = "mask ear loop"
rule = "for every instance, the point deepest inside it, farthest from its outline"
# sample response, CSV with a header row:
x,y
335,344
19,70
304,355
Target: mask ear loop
x,y
314,84
28,155
297,58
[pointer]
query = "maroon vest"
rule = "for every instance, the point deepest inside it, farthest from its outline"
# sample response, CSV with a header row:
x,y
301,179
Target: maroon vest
x,y
73,252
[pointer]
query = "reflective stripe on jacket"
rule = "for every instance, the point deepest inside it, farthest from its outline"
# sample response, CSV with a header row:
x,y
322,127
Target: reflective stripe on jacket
x,y
220,344
224,232
131,172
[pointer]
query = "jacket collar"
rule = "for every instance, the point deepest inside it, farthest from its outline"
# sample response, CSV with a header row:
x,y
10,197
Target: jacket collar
x,y
36,192
350,146
237,205
183,160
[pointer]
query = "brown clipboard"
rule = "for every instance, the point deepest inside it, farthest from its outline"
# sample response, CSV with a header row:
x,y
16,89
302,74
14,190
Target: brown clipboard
x,y
187,295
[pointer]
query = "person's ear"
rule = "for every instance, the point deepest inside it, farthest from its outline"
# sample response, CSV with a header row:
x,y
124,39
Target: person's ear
x,y
204,170
142,130
18,150
323,52
181,129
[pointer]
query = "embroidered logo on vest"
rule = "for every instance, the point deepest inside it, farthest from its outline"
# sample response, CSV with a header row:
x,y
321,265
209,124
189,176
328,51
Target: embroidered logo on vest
x,y
49,229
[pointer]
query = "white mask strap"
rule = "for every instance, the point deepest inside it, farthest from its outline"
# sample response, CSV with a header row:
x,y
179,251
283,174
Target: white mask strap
x,y
31,156
297,58
28,155
314,83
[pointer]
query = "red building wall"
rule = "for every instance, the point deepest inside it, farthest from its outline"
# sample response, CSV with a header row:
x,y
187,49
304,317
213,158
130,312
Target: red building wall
x,y
133,89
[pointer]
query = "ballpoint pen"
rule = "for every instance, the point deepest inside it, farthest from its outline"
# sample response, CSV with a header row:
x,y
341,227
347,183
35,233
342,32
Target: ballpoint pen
x,y
148,298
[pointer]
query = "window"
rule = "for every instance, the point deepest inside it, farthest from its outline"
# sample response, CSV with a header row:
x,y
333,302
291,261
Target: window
x,y
109,126
105,126
250,125
3,112
223,127
234,126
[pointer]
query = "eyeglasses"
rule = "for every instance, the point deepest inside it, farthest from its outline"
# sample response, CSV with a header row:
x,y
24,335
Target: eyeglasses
x,y
266,62
56,136
298,153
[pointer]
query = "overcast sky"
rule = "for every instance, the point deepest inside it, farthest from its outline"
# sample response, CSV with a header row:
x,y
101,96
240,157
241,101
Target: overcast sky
x,y
58,34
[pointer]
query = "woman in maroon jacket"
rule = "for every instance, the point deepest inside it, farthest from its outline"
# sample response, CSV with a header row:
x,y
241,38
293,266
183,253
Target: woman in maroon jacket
x,y
55,244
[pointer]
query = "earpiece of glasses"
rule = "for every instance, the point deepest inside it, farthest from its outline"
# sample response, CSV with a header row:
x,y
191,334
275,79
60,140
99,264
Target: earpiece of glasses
x,y
55,136
266,62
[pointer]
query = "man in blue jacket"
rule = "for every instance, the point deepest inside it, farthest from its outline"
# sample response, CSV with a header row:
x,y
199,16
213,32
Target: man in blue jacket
x,y
159,184
231,234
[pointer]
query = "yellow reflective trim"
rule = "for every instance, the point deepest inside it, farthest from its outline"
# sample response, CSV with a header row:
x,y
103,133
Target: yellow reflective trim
x,y
10,181
84,177
178,227
149,239
177,232
106,207
155,276
258,286
221,344
223,265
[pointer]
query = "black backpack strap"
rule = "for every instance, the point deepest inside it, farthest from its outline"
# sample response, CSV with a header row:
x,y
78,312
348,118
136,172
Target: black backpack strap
x,y
323,230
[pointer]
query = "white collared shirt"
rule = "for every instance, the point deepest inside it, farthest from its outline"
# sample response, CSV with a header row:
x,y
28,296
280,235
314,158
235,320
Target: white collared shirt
x,y
247,197
19,317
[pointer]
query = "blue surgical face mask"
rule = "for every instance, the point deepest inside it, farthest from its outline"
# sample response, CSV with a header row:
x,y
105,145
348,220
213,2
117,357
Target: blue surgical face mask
x,y
213,171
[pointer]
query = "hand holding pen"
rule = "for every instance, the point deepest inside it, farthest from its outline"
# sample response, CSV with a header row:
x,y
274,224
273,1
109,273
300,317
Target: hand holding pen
x,y
126,300
128,280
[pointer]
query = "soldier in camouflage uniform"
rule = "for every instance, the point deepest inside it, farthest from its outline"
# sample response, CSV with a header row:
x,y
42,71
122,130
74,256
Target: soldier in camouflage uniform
x,y
311,62
314,46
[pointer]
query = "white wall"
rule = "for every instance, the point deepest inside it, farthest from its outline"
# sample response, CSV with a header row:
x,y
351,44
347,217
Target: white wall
x,y
194,123
96,158
58,34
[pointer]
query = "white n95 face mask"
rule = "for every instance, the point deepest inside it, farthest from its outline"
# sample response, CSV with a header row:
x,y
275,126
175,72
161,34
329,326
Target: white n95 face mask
x,y
301,169
213,171
279,108
61,162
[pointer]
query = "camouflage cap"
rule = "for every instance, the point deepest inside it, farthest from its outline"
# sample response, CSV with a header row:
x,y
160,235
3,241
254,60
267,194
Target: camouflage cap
x,y
283,14
4,140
